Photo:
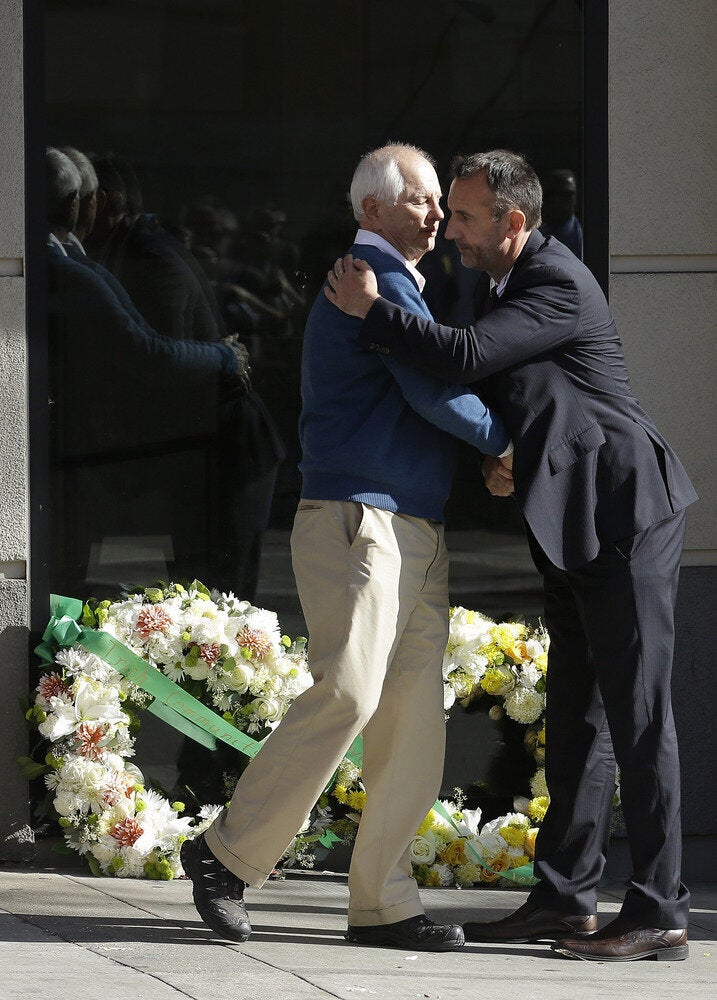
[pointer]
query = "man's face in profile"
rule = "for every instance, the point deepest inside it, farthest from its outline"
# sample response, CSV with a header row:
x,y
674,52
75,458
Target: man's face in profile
x,y
478,236
411,224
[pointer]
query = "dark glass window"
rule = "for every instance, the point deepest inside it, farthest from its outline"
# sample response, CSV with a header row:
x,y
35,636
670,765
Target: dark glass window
x,y
227,134
224,135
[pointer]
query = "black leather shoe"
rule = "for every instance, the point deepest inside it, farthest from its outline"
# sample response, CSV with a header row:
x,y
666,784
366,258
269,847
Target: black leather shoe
x,y
532,923
624,941
218,893
417,933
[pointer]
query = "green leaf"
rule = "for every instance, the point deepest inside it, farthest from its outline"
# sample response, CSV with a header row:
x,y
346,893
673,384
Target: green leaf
x,y
154,594
34,770
62,848
94,865
199,587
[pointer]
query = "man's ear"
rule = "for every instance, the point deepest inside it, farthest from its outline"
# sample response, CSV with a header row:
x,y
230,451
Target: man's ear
x,y
370,206
516,222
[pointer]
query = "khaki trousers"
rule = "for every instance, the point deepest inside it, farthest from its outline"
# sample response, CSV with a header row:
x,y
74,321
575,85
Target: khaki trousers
x,y
374,590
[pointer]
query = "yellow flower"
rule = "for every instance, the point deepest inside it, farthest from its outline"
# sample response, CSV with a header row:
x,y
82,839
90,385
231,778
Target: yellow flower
x,y
538,808
541,662
529,845
433,879
430,821
340,793
357,800
496,681
518,862
514,836
506,634
454,853
499,863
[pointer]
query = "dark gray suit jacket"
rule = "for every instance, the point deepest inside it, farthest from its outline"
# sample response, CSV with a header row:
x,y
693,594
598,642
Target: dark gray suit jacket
x,y
590,466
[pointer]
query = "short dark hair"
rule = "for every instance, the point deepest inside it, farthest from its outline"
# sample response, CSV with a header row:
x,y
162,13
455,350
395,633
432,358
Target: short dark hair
x,y
511,179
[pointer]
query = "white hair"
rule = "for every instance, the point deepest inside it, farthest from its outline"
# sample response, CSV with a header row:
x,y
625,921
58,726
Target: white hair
x,y
378,175
87,171
63,177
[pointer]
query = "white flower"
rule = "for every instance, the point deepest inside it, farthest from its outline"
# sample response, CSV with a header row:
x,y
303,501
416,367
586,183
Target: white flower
x,y
93,703
267,709
422,850
538,784
240,677
469,822
529,675
445,874
534,648
449,697
524,704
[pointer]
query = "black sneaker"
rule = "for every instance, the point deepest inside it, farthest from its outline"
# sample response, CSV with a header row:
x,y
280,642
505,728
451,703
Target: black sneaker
x,y
417,933
218,893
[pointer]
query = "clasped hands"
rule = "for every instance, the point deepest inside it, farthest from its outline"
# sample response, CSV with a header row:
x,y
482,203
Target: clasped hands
x,y
498,475
243,372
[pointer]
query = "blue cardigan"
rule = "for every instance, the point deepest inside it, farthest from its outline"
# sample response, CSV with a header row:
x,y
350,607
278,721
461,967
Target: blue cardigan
x,y
372,429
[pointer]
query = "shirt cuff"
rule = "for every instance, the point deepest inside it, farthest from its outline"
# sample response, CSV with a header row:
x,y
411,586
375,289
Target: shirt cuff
x,y
508,450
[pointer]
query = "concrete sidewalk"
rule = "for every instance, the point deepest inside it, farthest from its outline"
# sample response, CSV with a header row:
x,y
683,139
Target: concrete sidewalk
x,y
67,936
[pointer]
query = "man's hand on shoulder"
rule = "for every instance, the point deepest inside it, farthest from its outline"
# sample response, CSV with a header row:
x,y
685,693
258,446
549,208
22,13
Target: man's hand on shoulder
x,y
352,286
498,476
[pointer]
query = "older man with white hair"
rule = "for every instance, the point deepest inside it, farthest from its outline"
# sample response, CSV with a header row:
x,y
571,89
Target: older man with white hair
x,y
87,208
372,574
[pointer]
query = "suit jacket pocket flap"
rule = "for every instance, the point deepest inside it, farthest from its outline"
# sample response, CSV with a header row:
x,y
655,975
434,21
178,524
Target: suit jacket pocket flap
x,y
568,452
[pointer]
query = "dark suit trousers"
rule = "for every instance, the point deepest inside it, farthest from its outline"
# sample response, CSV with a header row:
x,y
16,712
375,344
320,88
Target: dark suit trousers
x,y
611,625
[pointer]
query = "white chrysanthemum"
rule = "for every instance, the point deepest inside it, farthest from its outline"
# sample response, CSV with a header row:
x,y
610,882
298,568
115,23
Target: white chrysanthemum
x,y
524,704
529,675
198,671
538,784
77,660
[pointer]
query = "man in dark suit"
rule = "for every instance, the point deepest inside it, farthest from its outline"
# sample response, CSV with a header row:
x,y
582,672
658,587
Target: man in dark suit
x,y
603,497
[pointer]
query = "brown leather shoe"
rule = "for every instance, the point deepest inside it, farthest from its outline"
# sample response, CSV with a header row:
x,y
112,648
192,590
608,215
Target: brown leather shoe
x,y
531,923
623,941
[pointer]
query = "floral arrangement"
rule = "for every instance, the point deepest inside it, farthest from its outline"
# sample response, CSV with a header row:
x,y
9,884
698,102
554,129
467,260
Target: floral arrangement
x,y
506,661
224,651
441,852
233,657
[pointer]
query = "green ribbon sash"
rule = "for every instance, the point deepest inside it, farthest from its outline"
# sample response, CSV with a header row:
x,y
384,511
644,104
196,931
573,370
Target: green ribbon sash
x,y
185,713
172,703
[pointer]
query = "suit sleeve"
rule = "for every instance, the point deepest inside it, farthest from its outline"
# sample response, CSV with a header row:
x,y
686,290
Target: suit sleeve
x,y
537,315
457,411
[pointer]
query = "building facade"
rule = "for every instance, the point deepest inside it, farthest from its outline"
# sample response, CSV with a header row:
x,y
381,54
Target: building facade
x,y
653,196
